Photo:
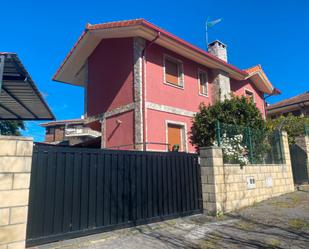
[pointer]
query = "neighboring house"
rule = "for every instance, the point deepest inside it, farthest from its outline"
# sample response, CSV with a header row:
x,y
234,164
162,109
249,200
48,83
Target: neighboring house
x,y
297,105
68,132
145,84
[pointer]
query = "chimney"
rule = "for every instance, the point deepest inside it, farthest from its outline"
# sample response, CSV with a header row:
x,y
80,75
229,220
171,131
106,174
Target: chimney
x,y
218,49
221,83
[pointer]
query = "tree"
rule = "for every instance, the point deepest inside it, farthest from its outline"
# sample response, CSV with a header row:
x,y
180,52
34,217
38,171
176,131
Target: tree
x,y
11,127
235,111
293,125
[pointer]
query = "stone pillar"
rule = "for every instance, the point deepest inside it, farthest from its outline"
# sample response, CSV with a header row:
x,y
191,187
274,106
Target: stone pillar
x,y
285,148
287,166
103,131
15,168
303,143
221,86
138,46
212,179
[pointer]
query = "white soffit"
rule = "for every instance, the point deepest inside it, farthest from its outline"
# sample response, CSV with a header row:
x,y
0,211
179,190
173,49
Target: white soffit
x,y
261,83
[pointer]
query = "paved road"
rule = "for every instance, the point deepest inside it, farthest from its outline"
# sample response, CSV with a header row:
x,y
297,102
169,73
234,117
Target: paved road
x,y
281,222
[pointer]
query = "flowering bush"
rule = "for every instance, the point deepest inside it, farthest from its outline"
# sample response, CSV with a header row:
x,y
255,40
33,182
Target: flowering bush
x,y
234,150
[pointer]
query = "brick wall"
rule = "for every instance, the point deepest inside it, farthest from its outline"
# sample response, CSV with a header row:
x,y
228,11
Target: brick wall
x,y
49,137
225,186
59,133
56,135
15,168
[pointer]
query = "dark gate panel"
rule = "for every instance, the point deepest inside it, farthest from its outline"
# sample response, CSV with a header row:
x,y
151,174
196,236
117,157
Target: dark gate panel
x,y
76,192
299,162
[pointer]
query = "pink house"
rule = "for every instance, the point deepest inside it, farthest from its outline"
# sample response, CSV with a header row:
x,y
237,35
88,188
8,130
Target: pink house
x,y
143,84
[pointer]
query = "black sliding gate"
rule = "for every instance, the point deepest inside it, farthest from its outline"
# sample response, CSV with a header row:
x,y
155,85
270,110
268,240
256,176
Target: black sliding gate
x,y
77,191
299,162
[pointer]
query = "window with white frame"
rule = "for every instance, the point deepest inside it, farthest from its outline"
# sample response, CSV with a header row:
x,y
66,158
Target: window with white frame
x,y
173,71
249,95
203,82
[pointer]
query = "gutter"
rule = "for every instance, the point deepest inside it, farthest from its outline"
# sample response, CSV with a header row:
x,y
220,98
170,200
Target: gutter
x,y
275,92
143,86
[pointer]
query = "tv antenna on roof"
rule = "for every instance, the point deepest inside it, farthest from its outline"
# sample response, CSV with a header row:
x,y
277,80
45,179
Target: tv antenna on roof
x,y
210,24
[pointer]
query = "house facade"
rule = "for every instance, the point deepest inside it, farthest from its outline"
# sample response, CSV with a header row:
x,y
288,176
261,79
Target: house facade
x,y
297,105
143,85
68,132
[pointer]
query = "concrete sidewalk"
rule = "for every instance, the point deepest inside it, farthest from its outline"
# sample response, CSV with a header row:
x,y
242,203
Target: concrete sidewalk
x,y
282,222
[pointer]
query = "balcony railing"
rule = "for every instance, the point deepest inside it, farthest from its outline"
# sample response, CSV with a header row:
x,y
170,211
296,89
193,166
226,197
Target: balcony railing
x,y
85,131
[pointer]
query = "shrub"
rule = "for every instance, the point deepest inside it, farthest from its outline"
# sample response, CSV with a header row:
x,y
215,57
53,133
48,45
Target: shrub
x,y
11,127
235,111
293,125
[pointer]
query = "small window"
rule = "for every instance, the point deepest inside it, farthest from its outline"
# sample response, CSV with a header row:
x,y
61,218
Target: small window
x,y
249,95
50,130
173,72
203,82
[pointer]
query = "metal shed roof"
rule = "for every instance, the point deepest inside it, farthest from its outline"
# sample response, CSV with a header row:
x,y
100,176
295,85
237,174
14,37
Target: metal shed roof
x,y
19,97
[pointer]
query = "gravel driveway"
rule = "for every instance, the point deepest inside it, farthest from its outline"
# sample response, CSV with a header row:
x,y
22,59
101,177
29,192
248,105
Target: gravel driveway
x,y
281,222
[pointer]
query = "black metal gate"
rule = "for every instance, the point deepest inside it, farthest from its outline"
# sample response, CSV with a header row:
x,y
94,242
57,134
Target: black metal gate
x,y
75,192
299,162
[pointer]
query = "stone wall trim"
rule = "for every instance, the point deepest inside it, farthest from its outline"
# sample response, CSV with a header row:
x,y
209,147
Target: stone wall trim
x,y
169,109
138,47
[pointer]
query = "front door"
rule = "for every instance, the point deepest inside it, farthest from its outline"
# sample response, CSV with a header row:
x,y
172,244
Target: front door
x,y
174,136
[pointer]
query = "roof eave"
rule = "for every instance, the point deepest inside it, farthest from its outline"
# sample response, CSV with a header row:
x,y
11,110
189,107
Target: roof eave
x,y
262,83
72,67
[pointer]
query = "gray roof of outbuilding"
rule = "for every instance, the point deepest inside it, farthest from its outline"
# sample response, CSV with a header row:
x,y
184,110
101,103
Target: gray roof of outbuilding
x,y
19,97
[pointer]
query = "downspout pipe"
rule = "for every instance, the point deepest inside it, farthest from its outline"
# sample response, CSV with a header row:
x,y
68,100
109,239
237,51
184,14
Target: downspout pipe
x,y
143,86
275,92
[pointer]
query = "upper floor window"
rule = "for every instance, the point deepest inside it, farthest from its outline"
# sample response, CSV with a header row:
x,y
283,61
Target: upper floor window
x,y
173,71
203,82
249,95
50,130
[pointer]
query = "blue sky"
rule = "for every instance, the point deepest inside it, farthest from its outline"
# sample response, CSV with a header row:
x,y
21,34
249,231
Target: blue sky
x,y
273,33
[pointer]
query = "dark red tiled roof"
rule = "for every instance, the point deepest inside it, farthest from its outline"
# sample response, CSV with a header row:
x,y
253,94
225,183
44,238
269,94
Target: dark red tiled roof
x,y
147,24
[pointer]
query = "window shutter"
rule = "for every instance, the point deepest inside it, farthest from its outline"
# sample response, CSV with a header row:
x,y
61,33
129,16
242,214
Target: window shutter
x,y
203,83
174,136
172,72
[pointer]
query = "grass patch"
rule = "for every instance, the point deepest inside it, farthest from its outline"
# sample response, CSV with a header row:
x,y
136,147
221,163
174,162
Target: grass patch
x,y
244,225
209,243
306,226
290,203
298,224
274,243
171,222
